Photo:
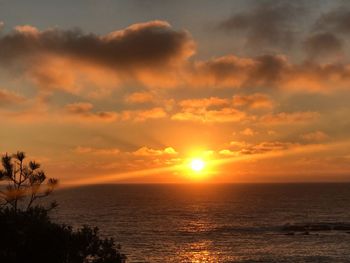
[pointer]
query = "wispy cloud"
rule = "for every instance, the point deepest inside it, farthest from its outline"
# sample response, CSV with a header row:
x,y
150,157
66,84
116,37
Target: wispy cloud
x,y
9,97
289,118
84,110
97,151
266,24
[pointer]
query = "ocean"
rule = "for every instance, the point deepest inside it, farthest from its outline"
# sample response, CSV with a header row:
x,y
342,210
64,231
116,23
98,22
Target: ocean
x,y
216,223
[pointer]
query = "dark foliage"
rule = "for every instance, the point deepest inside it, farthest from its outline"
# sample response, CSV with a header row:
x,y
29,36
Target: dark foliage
x,y
26,233
29,236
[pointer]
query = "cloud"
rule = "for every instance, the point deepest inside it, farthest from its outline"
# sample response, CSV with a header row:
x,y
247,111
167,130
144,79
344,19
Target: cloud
x,y
237,145
139,97
207,116
238,148
271,132
211,109
155,113
289,118
79,107
61,58
143,115
27,30
323,44
336,21
84,111
140,45
227,152
236,72
254,101
51,72
97,151
269,24
316,136
156,55
216,109
264,147
146,152
270,72
7,97
91,65
203,103
248,132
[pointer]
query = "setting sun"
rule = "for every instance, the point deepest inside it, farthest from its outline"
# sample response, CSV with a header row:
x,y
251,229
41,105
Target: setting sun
x,y
197,165
187,130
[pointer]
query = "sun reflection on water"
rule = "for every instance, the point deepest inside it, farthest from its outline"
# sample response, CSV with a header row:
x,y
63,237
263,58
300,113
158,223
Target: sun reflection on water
x,y
200,249
199,252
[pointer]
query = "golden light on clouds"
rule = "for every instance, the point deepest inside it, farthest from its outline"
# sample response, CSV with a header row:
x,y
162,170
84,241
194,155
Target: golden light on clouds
x,y
209,166
142,102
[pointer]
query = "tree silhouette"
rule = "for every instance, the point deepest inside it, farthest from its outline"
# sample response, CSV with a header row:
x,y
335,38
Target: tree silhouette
x,y
27,233
30,237
26,183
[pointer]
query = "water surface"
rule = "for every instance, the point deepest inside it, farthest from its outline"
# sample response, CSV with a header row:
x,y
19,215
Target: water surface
x,y
213,223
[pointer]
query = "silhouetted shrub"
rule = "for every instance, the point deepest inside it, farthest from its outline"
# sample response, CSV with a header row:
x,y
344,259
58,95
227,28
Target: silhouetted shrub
x,y
26,233
29,236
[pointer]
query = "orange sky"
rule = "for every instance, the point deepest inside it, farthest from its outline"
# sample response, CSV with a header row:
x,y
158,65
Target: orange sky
x,y
131,101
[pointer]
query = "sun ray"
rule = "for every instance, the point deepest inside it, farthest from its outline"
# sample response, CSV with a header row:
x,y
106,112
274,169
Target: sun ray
x,y
185,167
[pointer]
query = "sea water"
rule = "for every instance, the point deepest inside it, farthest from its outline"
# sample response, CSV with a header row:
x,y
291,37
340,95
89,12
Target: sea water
x,y
214,223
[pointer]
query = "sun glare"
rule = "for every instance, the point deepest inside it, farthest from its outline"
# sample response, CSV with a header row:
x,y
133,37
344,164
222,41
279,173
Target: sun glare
x,y
197,165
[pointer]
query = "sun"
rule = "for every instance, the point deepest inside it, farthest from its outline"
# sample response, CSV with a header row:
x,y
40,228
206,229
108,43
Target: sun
x,y
197,164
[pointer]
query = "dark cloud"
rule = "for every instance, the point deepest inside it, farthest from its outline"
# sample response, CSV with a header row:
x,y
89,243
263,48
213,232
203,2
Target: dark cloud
x,y
76,62
271,71
253,101
328,33
268,69
289,118
244,148
336,21
261,71
265,147
148,44
267,24
84,111
323,44
156,55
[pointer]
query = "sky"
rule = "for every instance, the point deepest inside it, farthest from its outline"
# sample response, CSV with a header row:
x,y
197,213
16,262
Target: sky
x,y
131,91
